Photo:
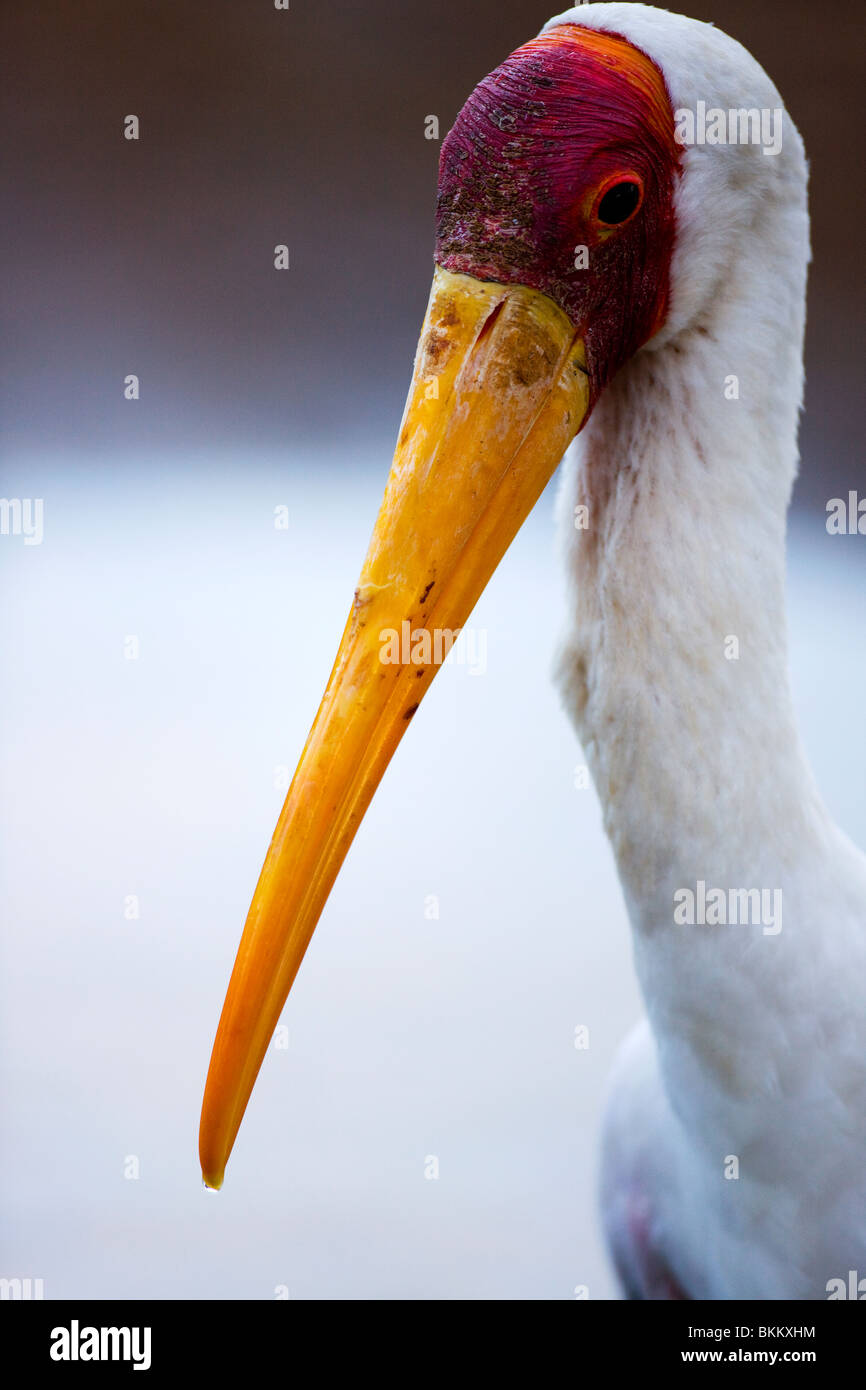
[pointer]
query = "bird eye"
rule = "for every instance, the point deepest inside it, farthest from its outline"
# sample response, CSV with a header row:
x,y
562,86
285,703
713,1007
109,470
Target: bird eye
x,y
619,203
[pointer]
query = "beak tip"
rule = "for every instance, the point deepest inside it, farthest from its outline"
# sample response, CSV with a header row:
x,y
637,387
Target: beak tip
x,y
212,1163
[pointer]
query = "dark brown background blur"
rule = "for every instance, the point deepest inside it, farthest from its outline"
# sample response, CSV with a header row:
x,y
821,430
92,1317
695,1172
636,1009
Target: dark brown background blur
x,y
261,126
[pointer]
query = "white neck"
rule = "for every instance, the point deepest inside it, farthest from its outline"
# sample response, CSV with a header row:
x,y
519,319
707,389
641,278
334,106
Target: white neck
x,y
695,756
693,748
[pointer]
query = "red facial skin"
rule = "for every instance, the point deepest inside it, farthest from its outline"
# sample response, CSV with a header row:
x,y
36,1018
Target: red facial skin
x,y
525,166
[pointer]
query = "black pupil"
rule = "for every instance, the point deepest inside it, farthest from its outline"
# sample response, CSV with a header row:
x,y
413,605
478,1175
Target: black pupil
x,y
619,203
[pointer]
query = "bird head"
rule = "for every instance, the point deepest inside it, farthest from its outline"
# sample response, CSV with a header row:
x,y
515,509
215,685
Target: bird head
x,y
574,232
559,175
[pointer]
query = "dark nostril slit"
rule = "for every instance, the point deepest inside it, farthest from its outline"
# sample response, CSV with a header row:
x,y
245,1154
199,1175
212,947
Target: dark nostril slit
x,y
489,322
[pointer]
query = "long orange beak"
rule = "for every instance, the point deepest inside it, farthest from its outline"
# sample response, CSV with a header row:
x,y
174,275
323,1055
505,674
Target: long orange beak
x,y
498,391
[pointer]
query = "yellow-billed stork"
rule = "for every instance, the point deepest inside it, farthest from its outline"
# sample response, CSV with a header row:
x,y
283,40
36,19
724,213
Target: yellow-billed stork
x,y
621,256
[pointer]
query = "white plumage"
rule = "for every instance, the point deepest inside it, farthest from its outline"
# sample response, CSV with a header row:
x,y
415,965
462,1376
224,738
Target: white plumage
x,y
758,1045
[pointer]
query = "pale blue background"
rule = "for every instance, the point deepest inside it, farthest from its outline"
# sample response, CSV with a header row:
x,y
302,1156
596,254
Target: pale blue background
x,y
408,1037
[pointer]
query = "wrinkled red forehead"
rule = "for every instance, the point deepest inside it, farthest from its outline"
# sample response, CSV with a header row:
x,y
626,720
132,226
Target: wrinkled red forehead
x,y
598,83
527,154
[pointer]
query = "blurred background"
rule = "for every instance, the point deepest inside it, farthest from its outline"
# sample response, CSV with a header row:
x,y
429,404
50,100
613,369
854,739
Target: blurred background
x,y
165,646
